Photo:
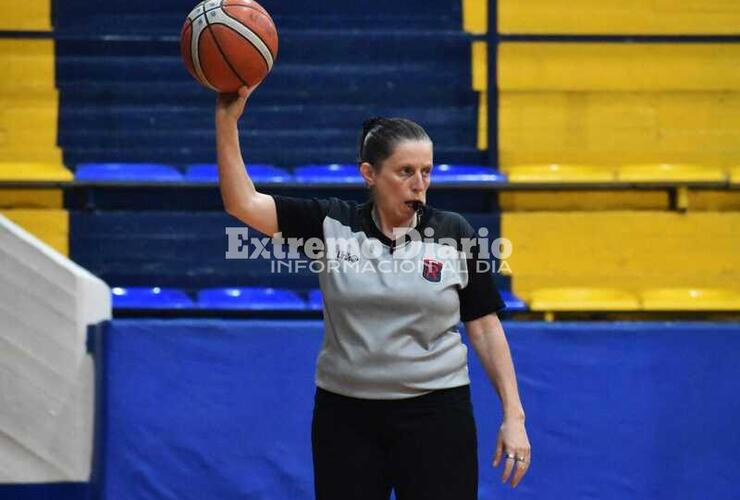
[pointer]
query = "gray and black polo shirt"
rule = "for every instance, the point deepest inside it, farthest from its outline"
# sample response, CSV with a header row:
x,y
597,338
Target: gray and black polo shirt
x,y
391,307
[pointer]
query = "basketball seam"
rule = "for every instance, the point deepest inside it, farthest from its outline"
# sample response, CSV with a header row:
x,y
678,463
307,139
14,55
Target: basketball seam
x,y
220,50
269,18
267,64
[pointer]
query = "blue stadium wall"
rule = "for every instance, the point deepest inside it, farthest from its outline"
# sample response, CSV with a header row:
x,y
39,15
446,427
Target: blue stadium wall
x,y
194,409
222,409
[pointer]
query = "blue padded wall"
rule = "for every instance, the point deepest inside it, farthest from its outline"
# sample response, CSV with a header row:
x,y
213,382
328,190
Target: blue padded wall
x,y
222,409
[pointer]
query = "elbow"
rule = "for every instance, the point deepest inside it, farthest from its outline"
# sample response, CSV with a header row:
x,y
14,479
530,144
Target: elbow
x,y
229,208
482,329
474,333
477,339
234,209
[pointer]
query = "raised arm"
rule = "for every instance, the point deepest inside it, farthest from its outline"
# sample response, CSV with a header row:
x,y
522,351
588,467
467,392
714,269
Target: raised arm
x,y
238,193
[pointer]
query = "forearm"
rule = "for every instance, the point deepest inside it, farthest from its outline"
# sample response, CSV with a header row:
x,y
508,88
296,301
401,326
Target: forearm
x,y
237,189
493,351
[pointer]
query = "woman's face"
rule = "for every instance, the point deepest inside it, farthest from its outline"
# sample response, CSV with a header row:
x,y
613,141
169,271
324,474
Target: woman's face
x,y
402,178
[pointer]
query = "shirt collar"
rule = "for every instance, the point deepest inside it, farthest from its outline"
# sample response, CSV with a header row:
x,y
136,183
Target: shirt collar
x,y
372,229
376,218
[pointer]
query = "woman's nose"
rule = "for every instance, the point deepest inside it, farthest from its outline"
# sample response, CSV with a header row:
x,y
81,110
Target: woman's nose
x,y
417,183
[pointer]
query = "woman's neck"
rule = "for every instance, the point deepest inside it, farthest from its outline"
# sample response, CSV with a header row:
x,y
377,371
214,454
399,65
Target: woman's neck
x,y
387,225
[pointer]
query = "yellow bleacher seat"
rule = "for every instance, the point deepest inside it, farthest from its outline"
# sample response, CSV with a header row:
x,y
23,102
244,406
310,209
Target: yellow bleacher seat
x,y
582,299
735,176
559,173
670,172
690,299
30,171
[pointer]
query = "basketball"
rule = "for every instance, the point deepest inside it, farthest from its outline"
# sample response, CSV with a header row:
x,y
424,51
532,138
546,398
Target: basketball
x,y
227,44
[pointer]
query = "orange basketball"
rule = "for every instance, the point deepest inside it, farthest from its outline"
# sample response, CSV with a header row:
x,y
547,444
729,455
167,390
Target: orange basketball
x,y
226,44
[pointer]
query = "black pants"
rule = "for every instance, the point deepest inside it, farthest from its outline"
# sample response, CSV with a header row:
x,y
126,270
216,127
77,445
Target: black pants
x,y
424,447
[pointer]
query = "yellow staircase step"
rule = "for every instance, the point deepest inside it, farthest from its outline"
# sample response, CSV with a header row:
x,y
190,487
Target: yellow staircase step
x,y
31,198
33,171
49,225
40,155
26,64
31,15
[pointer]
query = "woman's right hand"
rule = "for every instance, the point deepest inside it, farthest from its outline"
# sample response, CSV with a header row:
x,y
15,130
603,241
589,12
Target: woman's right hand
x,y
231,106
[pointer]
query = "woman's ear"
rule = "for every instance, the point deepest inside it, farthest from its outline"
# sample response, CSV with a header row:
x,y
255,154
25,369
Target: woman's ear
x,y
368,173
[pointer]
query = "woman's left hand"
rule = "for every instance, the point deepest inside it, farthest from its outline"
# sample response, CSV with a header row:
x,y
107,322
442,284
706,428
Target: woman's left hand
x,y
513,446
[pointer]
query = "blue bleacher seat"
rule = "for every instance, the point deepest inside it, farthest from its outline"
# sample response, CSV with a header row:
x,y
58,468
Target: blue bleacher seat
x,y
260,173
250,298
328,174
150,298
472,174
513,303
315,300
127,172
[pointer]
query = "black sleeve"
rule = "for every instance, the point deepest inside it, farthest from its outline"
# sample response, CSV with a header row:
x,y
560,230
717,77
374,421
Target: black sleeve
x,y
480,296
301,217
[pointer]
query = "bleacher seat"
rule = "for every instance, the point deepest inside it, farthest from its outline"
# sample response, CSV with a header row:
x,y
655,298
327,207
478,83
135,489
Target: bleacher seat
x,y
670,172
472,174
513,303
250,298
150,298
735,176
328,174
127,172
259,173
690,299
315,300
560,173
582,299
33,171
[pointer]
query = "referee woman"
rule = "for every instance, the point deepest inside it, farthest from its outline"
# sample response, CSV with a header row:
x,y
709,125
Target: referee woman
x,y
392,407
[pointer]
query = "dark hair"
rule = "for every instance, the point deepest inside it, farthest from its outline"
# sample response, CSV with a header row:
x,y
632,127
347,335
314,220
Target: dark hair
x,y
380,136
